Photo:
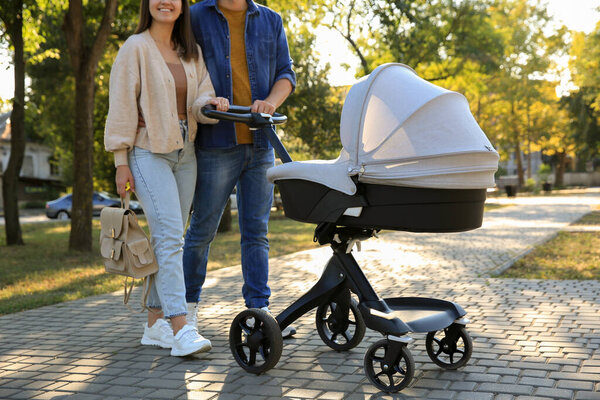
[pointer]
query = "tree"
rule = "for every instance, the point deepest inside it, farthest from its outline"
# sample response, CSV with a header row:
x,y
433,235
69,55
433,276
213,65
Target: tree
x,y
419,33
52,85
84,57
11,14
520,81
314,109
585,65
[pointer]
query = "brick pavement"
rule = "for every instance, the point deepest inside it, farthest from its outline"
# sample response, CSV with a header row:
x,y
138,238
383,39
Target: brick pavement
x,y
532,339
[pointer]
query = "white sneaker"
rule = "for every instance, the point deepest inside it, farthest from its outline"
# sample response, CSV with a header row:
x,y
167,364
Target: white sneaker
x,y
159,334
192,314
288,332
188,341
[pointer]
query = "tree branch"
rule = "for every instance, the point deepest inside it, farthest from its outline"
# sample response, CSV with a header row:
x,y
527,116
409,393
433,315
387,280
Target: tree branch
x,y
110,11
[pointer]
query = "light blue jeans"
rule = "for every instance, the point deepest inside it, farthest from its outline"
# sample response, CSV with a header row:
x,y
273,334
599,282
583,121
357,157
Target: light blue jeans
x,y
164,185
219,171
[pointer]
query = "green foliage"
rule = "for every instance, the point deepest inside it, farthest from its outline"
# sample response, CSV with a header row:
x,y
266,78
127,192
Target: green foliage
x,y
544,172
530,185
50,116
314,108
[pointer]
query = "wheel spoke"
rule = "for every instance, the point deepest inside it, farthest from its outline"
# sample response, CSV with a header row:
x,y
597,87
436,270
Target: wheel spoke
x,y
345,335
252,360
451,358
390,376
459,351
245,328
241,345
400,370
379,374
377,359
351,322
264,352
439,351
333,337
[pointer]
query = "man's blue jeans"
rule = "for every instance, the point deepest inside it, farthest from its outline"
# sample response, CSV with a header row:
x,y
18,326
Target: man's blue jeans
x,y
219,171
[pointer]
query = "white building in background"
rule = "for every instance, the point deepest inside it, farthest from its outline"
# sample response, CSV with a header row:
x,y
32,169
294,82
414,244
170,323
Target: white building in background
x,y
39,177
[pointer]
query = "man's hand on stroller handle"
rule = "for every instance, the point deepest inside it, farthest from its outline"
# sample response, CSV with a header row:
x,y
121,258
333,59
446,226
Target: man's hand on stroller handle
x,y
263,106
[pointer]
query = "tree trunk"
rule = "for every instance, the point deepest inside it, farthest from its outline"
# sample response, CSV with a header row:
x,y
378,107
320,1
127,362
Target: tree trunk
x,y
83,146
559,173
519,159
84,61
225,223
10,180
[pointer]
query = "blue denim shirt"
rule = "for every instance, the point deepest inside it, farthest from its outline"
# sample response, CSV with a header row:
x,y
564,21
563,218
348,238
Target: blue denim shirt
x,y
267,55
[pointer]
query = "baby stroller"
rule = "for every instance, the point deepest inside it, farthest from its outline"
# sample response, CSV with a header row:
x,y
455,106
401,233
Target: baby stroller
x,y
413,159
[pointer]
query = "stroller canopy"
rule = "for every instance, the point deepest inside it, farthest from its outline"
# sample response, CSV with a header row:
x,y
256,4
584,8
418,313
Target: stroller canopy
x,y
398,129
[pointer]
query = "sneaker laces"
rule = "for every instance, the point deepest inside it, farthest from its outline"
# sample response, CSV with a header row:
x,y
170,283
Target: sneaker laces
x,y
189,334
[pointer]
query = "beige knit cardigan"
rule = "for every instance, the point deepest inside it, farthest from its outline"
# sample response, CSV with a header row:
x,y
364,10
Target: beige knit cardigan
x,y
140,81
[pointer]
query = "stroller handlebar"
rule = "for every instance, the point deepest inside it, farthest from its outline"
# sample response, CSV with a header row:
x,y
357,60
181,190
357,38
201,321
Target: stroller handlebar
x,y
254,121
245,115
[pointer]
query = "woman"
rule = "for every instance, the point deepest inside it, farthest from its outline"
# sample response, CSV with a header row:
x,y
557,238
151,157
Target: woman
x,y
158,85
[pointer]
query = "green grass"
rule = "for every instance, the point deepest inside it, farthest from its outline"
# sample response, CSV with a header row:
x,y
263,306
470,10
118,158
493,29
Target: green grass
x,y
45,272
569,255
493,206
592,218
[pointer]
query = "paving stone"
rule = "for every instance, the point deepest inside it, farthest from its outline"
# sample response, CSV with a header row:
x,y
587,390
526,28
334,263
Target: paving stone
x,y
533,339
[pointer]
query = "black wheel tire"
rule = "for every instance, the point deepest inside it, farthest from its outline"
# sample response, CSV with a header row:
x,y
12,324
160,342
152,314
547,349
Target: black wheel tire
x,y
255,340
443,353
332,330
394,379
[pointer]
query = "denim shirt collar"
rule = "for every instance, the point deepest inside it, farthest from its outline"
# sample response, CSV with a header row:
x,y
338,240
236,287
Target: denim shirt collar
x,y
252,7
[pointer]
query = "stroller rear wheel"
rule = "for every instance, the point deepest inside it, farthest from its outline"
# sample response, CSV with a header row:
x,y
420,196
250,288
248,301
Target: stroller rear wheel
x,y
449,348
255,340
389,365
338,330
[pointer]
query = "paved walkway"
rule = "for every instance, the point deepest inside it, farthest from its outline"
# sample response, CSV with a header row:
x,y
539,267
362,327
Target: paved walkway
x,y
532,339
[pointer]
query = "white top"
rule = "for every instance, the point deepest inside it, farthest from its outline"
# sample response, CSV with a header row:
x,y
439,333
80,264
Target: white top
x,y
398,129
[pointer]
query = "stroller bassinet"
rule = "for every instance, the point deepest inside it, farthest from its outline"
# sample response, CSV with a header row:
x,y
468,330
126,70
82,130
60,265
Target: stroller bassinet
x,y
413,159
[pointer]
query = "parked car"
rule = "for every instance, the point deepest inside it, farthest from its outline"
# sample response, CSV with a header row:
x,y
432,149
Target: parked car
x,y
61,207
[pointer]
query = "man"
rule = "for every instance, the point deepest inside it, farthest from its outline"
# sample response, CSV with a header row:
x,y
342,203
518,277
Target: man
x,y
246,53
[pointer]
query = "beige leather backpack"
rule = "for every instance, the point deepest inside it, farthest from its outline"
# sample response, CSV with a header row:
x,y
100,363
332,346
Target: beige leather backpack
x,y
125,248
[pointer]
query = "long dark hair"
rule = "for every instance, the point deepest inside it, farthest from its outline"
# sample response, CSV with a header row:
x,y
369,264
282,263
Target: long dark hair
x,y
182,35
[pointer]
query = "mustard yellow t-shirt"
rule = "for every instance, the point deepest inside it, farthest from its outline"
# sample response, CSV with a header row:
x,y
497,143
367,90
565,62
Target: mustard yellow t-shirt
x,y
242,95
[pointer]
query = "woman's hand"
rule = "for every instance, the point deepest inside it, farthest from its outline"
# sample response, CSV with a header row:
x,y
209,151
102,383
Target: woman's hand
x,y
123,177
221,103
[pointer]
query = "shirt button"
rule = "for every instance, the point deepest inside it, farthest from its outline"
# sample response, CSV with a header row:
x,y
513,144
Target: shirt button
x,y
227,57
227,76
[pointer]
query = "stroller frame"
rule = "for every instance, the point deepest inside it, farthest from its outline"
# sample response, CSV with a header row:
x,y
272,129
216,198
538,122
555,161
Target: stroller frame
x,y
388,364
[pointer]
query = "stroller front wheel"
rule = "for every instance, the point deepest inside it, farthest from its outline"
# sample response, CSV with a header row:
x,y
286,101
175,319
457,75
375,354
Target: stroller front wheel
x,y
340,331
449,348
255,340
389,365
